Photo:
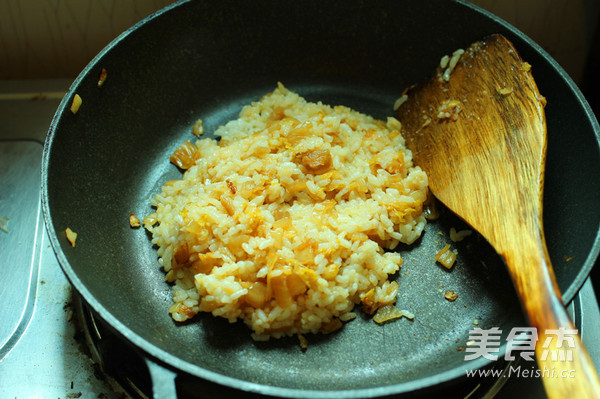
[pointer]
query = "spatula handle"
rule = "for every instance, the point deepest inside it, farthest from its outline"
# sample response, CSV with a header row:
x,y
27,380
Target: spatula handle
x,y
567,370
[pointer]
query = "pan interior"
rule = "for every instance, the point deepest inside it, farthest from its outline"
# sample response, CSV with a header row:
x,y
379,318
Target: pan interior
x,y
126,278
110,158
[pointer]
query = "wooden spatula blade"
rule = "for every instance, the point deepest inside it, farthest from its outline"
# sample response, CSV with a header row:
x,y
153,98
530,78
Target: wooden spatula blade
x,y
478,129
458,121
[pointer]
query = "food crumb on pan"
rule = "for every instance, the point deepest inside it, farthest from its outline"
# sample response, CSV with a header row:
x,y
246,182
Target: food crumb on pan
x,y
451,295
568,258
198,129
460,235
285,222
102,77
444,61
4,223
401,100
134,222
446,257
303,342
71,236
77,101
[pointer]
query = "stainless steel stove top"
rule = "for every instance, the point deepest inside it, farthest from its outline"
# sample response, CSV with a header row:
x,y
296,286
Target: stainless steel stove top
x,y
42,351
41,354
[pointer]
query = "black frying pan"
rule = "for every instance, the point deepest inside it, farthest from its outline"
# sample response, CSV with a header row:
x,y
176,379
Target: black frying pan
x,y
200,59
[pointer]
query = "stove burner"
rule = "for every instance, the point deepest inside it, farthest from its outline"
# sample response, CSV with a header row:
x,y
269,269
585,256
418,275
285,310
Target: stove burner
x,y
114,361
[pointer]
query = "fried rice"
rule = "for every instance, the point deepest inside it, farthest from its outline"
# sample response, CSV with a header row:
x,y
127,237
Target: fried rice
x,y
289,219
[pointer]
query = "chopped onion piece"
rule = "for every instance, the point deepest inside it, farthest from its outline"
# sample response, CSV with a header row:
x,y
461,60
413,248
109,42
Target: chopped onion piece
x,y
71,236
391,312
387,313
185,155
446,257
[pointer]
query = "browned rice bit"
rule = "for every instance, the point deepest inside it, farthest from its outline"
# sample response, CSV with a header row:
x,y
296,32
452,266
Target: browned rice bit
x,y
451,295
134,222
102,78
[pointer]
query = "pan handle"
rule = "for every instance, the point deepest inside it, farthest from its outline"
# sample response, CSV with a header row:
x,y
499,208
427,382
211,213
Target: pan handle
x,y
163,380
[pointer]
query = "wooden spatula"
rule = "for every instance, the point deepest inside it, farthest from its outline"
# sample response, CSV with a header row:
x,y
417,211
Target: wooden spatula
x,y
478,128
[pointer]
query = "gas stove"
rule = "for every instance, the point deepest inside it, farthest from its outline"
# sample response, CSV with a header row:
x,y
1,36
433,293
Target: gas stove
x,y
51,343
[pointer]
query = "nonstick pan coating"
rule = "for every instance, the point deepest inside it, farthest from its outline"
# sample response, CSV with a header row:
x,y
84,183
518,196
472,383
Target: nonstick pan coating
x,y
204,60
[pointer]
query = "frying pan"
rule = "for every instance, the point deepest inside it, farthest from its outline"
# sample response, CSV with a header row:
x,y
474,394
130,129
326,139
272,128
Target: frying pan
x,y
205,60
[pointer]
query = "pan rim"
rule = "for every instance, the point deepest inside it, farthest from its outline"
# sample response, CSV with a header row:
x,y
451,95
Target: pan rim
x,y
150,350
